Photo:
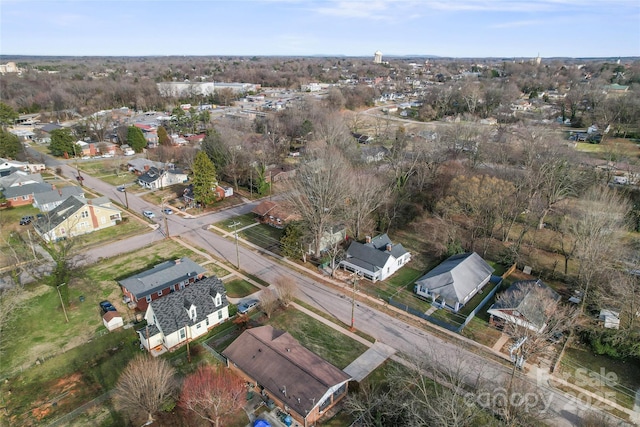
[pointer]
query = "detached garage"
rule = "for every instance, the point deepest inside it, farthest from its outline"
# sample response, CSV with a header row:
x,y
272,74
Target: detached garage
x,y
112,320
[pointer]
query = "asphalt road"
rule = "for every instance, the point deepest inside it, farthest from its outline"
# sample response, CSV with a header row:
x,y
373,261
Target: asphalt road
x,y
563,410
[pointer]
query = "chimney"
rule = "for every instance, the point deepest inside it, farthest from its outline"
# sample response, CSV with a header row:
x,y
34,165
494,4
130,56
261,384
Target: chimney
x,y
388,247
367,239
146,167
178,261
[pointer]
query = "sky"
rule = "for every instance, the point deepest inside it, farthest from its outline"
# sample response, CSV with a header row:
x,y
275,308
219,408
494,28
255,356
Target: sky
x,y
448,28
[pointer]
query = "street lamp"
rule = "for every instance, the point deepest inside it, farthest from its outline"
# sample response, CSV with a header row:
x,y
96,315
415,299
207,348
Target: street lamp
x,y
62,302
235,230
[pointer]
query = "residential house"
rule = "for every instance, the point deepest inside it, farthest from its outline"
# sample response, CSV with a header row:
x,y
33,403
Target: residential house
x,y
610,319
43,133
20,177
150,134
183,316
155,178
281,173
195,139
170,276
7,166
330,238
376,259
76,216
140,166
112,320
21,195
361,138
524,303
455,281
221,192
49,200
274,214
297,380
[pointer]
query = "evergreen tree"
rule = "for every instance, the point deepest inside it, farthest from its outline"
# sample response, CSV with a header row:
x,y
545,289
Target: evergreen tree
x,y
291,240
204,179
63,143
10,145
7,115
136,139
163,136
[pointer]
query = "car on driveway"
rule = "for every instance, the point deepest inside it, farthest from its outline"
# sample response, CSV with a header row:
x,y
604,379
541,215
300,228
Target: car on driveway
x,y
148,214
26,220
120,188
244,307
107,306
167,211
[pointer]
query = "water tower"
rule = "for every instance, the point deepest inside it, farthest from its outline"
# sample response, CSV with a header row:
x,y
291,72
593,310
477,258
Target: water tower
x,y
377,57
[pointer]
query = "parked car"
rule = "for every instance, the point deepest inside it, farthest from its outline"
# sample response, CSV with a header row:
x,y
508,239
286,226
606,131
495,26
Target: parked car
x,y
247,305
120,188
26,220
148,214
107,306
167,211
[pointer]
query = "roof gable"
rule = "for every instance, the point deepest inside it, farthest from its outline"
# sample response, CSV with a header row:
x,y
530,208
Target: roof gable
x,y
161,276
523,297
172,311
374,255
457,276
278,362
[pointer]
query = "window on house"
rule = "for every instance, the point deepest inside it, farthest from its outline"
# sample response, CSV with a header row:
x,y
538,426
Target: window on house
x,y
220,315
218,300
103,219
159,293
148,298
182,334
85,214
25,197
207,321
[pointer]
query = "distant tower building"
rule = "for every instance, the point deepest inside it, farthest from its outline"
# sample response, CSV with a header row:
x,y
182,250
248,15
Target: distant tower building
x,y
377,57
538,59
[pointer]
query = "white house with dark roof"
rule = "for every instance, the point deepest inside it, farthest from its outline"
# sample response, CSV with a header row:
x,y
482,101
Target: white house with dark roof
x,y
49,200
170,276
525,303
156,178
184,315
376,259
455,281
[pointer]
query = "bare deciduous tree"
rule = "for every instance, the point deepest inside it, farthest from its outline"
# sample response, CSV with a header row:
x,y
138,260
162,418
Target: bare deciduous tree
x,y
213,393
268,301
145,385
287,289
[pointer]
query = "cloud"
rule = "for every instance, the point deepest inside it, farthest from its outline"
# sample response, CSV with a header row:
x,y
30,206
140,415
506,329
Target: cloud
x,y
518,24
355,9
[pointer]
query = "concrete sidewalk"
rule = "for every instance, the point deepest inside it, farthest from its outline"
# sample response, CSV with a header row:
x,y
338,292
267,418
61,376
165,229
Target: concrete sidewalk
x,y
368,361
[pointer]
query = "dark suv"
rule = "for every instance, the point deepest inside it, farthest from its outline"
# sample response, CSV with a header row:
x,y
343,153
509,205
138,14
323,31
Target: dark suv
x,y
107,306
25,220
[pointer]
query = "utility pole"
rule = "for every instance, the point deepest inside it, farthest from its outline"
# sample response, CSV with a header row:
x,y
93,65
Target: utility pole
x,y
126,199
166,224
235,229
62,302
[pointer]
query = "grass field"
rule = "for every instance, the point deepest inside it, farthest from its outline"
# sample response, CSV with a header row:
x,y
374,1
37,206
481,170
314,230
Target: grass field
x,y
40,331
239,288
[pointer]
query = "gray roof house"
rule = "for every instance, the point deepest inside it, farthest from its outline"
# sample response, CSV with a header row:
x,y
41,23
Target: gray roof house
x,y
76,216
20,177
23,194
155,178
49,200
525,303
170,276
184,315
455,281
376,259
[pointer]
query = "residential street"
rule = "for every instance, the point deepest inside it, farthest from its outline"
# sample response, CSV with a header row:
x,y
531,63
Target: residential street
x,y
389,330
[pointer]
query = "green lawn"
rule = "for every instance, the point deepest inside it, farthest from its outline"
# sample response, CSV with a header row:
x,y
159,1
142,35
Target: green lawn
x,y
40,330
243,221
239,288
263,235
326,342
612,378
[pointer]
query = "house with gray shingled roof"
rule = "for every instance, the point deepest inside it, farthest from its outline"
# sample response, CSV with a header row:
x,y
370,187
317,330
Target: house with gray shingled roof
x,y
167,277
376,259
76,216
51,199
296,379
455,280
155,178
184,315
525,303
21,195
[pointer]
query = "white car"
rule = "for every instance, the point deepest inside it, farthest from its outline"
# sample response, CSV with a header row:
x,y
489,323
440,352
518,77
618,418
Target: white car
x,y
107,155
148,214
